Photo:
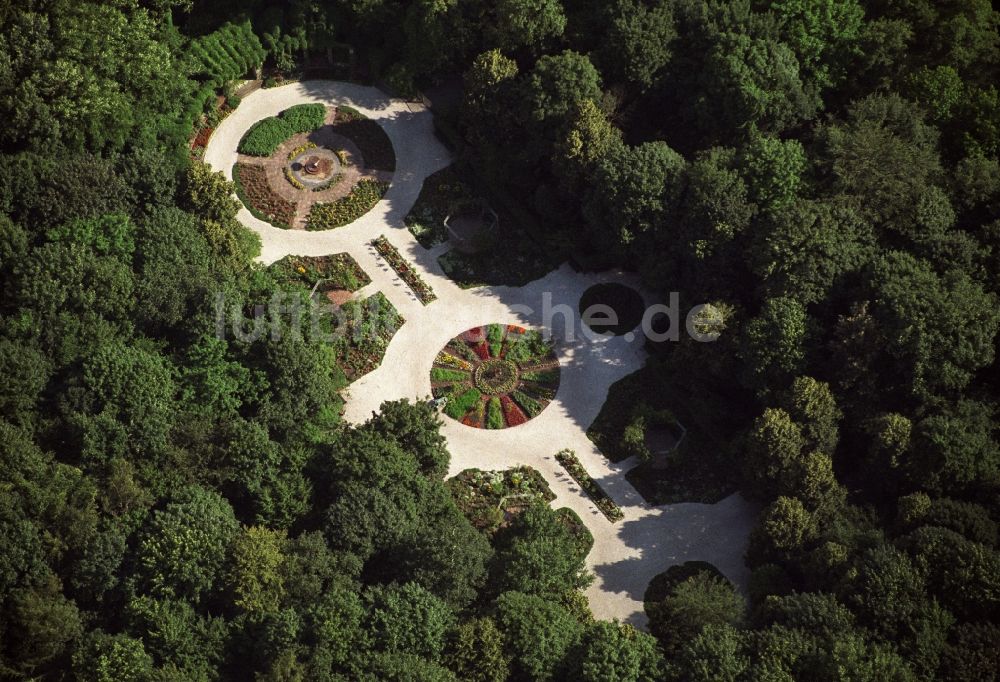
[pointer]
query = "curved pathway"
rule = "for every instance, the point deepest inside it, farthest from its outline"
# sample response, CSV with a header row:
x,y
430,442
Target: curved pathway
x,y
627,554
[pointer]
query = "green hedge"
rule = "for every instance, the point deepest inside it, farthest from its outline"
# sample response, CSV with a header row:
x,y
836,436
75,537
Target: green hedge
x,y
266,135
304,117
530,406
230,53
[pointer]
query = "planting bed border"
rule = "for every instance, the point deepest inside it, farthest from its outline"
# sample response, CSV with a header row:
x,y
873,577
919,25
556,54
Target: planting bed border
x,y
568,459
420,288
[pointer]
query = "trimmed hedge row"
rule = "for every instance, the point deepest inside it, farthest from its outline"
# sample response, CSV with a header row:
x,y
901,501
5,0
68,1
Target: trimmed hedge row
x,y
229,53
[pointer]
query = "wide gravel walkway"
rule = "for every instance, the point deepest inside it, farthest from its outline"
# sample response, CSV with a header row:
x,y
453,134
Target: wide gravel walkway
x,y
627,554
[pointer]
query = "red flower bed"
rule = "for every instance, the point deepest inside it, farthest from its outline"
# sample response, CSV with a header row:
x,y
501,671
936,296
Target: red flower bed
x,y
201,139
511,412
514,329
474,335
471,420
482,350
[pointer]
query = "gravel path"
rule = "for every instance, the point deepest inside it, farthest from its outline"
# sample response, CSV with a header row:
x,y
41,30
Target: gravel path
x,y
627,554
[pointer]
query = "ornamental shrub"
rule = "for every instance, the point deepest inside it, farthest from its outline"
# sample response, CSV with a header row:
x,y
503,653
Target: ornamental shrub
x,y
265,136
302,118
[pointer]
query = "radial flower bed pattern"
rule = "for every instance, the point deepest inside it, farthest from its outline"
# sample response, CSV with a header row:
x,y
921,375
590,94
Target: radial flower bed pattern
x,y
495,376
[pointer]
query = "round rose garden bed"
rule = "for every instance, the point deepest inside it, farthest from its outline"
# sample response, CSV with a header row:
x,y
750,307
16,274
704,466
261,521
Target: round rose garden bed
x,y
495,376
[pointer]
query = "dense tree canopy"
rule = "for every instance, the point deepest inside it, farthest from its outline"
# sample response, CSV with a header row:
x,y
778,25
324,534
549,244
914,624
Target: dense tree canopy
x,y
180,504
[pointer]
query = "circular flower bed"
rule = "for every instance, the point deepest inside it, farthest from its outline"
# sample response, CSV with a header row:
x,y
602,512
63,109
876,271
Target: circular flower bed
x,y
495,376
600,299
313,167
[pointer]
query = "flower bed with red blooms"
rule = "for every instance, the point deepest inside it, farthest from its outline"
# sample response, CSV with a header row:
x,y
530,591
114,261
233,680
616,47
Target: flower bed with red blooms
x,y
511,412
474,335
482,350
506,362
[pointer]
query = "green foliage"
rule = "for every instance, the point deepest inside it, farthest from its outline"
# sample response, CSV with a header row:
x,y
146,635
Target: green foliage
x,y
256,578
638,44
42,624
347,209
110,658
773,170
716,654
698,601
716,206
807,247
939,328
494,414
558,82
459,405
857,247
129,390
812,404
588,136
526,23
265,136
303,118
774,343
783,527
538,554
539,634
227,54
184,545
824,36
615,651
444,374
408,619
208,194
476,652
415,427
884,153
634,189
955,450
752,82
